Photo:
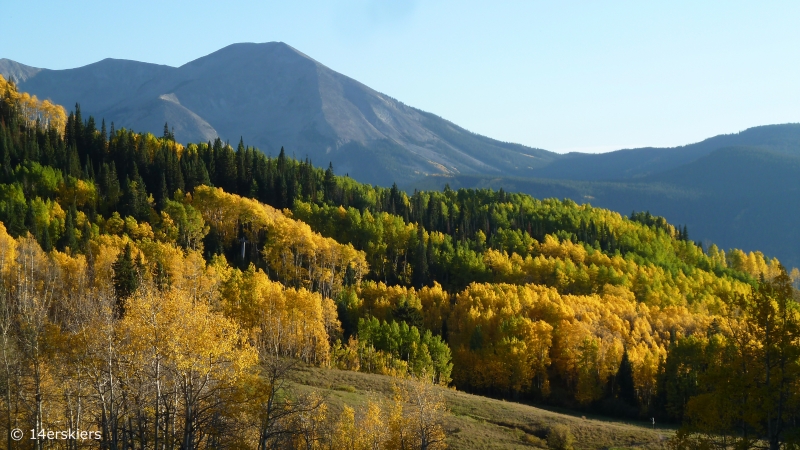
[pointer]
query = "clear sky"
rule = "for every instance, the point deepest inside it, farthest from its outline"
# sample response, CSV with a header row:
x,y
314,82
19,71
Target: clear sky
x,y
560,75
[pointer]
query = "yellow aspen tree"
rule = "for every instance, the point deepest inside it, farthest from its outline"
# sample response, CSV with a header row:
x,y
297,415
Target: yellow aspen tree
x,y
345,435
34,279
426,415
372,427
203,351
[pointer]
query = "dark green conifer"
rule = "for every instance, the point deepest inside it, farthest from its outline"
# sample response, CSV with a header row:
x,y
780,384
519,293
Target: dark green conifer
x,y
69,240
126,278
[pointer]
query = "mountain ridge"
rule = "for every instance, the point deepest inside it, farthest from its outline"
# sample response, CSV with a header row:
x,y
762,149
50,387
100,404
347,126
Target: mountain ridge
x,y
275,96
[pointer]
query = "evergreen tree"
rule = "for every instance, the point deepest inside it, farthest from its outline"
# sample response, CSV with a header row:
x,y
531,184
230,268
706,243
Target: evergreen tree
x,y
135,199
626,390
420,268
126,278
330,184
69,240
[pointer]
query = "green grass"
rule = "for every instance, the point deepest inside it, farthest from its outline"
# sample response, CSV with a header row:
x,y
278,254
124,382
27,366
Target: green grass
x,y
477,422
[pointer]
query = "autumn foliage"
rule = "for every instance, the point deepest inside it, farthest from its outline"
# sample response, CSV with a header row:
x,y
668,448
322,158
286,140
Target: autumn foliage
x,y
164,293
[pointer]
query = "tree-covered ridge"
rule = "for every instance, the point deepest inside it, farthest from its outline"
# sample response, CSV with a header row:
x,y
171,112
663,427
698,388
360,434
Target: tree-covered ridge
x,y
502,293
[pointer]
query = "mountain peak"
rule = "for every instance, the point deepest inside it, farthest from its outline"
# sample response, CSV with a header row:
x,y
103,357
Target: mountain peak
x,y
276,96
248,52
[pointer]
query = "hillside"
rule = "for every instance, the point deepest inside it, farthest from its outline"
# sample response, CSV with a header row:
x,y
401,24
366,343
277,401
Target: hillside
x,y
729,197
191,281
486,423
276,97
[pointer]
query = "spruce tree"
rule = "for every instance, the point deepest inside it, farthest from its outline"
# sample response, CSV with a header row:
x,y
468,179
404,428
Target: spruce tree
x,y
69,240
420,274
330,183
126,278
46,244
626,390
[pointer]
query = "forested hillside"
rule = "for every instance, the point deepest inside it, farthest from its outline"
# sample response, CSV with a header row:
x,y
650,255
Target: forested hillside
x,y
159,293
744,197
274,95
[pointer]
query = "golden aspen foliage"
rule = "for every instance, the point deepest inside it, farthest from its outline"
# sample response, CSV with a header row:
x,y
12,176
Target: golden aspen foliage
x,y
114,224
169,342
299,257
196,342
490,320
345,435
373,429
78,192
32,109
426,411
309,425
435,302
8,252
379,300
288,322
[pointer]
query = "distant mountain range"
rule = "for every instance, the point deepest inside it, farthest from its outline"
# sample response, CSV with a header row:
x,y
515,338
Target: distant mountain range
x,y
737,190
275,96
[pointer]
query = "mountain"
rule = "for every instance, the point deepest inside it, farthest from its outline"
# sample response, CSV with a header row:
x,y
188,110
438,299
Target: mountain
x,y
743,197
275,96
642,162
728,189
15,71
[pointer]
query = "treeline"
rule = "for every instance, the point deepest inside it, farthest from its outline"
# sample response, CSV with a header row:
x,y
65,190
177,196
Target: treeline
x,y
501,293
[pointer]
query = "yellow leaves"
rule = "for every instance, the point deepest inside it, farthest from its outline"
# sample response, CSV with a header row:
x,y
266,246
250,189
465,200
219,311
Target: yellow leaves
x,y
368,433
412,419
551,247
76,191
225,212
436,304
138,231
287,322
167,230
378,299
114,224
73,271
645,361
32,109
300,257
200,280
193,340
498,337
345,435
8,248
506,337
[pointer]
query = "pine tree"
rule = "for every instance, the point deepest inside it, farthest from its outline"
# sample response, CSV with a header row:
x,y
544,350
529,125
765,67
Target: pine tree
x,y
69,240
330,183
420,274
126,278
624,381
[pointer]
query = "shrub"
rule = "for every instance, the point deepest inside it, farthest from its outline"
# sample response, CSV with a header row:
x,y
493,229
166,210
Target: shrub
x,y
560,438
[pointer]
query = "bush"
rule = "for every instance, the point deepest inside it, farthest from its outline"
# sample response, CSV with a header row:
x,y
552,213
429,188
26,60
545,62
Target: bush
x,y
533,440
560,438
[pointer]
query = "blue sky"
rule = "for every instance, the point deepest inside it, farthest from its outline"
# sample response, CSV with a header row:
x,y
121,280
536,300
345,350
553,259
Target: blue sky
x,y
564,76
